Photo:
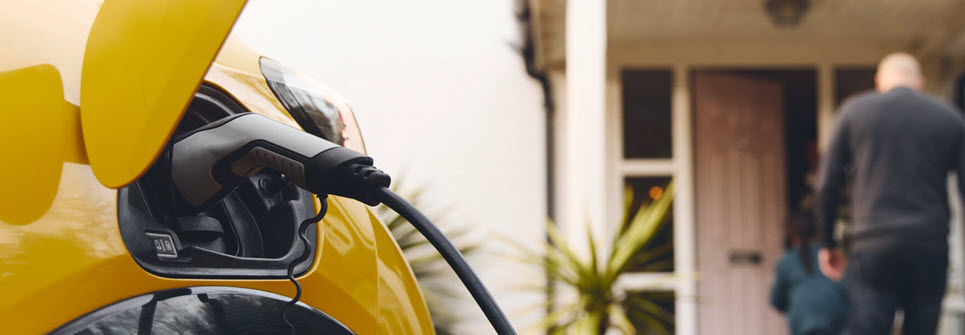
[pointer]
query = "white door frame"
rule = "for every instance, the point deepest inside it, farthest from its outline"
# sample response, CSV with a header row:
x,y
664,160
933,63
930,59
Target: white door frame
x,y
682,59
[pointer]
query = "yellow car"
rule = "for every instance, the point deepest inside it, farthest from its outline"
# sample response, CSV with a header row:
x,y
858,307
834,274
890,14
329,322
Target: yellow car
x,y
90,241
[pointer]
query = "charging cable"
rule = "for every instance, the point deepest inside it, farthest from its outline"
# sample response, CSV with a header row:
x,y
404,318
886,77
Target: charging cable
x,y
306,252
373,178
451,255
210,162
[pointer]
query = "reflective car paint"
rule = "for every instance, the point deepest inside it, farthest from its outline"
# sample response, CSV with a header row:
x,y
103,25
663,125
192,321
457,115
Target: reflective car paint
x,y
36,91
71,260
142,64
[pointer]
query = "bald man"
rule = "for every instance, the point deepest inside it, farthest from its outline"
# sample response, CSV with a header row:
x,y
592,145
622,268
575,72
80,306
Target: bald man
x,y
899,145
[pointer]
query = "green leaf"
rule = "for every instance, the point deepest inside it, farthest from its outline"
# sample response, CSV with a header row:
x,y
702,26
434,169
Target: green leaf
x,y
627,205
644,304
405,245
589,323
654,325
561,317
593,280
619,320
643,227
395,222
559,246
591,241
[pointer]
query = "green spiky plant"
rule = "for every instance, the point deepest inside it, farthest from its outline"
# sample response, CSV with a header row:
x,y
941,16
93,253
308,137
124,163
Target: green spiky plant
x,y
433,274
599,304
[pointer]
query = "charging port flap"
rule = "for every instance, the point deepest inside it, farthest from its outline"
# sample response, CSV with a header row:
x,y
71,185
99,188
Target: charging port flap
x,y
249,234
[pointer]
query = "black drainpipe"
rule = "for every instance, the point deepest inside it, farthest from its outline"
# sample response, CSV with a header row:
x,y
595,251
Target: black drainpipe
x,y
528,51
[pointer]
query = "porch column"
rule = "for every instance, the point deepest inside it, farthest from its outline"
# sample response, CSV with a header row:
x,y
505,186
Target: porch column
x,y
685,246
583,134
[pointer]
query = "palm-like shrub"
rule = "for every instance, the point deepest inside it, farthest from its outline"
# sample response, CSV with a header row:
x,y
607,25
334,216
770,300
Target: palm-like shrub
x,y
597,303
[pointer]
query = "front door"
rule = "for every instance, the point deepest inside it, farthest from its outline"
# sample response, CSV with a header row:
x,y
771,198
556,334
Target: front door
x,y
740,201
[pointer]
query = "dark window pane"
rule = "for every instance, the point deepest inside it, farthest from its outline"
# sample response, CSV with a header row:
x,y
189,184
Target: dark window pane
x,y
852,80
646,113
657,254
203,311
651,312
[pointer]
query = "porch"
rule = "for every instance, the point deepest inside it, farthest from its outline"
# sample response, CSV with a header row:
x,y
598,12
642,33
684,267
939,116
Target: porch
x,y
629,79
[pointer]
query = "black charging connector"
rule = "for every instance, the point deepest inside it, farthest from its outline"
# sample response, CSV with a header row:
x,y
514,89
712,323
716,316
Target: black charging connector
x,y
210,162
344,172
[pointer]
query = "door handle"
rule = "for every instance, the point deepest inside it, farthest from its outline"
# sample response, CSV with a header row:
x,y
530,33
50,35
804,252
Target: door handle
x,y
751,257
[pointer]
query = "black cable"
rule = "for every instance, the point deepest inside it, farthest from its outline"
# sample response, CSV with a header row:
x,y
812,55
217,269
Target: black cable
x,y
306,252
452,256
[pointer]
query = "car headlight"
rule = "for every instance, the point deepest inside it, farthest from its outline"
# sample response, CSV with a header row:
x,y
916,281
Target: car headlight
x,y
317,110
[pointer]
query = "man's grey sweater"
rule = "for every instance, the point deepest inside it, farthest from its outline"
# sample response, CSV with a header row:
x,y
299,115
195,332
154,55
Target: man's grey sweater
x,y
901,146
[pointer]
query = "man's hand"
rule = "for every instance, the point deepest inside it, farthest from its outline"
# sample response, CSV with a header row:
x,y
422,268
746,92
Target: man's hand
x,y
832,263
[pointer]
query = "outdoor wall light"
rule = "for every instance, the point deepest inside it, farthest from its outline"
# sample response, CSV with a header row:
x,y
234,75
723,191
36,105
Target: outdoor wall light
x,y
786,13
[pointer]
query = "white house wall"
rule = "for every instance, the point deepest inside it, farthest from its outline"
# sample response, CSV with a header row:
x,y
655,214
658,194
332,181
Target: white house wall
x,y
444,103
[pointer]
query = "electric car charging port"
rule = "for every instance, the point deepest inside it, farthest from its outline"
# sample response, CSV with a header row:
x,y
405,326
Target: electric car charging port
x,y
249,234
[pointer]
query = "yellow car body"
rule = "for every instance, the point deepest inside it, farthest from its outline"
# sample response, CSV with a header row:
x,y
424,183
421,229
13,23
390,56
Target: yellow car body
x,y
69,260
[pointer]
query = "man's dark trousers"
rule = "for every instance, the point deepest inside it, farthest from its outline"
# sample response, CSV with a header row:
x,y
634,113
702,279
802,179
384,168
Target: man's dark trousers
x,y
911,279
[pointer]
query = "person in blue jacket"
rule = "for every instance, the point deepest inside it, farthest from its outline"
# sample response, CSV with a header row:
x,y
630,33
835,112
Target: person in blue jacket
x,y
812,303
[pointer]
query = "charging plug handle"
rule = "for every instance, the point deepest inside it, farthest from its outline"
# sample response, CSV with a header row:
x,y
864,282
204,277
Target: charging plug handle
x,y
211,161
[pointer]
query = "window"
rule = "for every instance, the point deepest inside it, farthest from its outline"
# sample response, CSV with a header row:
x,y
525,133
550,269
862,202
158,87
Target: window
x,y
647,113
651,312
206,310
645,167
